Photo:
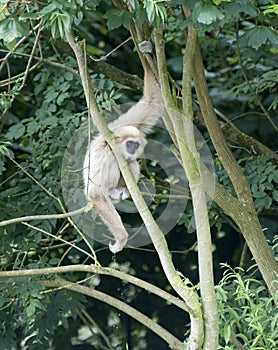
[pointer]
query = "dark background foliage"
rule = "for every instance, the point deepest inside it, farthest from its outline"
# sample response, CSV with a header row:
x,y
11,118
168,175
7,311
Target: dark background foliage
x,y
239,45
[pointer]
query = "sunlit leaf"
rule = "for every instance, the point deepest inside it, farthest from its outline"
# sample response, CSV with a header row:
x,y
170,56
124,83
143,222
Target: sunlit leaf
x,y
11,28
207,13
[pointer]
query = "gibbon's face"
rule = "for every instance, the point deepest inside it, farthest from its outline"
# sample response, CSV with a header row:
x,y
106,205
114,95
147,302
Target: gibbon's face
x,y
130,141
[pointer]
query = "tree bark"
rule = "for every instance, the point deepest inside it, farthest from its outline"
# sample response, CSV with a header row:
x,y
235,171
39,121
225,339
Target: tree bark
x,y
246,219
183,290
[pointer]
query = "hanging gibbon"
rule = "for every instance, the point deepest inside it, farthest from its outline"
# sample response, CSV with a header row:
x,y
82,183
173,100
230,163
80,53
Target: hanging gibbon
x,y
101,173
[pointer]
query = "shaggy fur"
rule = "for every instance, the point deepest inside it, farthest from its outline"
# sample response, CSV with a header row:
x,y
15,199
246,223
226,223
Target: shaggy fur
x,y
101,173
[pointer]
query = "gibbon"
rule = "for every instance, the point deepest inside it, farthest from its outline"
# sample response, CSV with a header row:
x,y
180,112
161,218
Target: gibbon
x,y
101,173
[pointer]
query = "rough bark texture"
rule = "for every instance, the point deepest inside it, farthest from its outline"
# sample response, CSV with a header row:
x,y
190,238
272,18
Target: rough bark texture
x,y
246,218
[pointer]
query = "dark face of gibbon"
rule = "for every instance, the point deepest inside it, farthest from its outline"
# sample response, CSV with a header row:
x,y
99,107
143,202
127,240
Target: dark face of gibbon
x,y
131,142
132,146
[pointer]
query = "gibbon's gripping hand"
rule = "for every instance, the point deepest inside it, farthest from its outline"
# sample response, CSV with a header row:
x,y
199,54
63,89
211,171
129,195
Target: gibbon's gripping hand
x,y
145,47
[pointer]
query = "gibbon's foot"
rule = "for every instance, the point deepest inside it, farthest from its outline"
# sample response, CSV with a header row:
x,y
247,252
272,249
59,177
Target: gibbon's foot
x,y
118,245
119,193
146,47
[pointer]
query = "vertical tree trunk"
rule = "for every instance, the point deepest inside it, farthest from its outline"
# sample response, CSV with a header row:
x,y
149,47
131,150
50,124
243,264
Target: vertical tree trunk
x,y
247,219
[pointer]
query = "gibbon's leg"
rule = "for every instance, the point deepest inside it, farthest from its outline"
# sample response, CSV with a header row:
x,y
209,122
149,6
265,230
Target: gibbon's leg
x,y
112,219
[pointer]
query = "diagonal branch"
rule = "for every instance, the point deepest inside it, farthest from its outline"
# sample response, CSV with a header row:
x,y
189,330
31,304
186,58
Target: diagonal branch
x,y
43,217
158,239
174,343
97,269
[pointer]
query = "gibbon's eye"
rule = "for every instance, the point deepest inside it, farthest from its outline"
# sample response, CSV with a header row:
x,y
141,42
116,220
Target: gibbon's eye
x,y
132,146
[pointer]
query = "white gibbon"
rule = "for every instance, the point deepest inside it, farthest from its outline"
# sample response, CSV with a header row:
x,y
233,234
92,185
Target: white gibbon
x,y
101,173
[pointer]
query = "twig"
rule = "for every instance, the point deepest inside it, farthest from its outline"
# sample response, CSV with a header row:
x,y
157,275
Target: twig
x,y
103,58
254,93
173,342
59,202
21,41
93,257
97,269
44,217
30,59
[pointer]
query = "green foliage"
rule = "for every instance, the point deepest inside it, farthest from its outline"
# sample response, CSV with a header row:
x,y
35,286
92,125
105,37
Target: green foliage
x,y
156,11
206,13
118,17
262,175
34,314
271,9
248,315
152,11
259,36
7,97
40,117
4,151
58,16
10,29
264,83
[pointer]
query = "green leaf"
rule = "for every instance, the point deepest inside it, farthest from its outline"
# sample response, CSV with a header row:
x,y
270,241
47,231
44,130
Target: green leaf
x,y
118,17
140,16
234,10
15,131
12,28
227,332
218,2
3,148
272,9
263,202
30,310
258,36
54,261
206,13
30,15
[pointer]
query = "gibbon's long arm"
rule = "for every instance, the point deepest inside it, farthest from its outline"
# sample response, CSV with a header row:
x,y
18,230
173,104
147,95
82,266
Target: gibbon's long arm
x,y
145,113
101,173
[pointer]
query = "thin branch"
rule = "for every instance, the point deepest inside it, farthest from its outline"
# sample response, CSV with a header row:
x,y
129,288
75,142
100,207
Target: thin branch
x,y
93,257
174,343
30,59
33,179
254,93
35,66
21,41
15,78
89,321
196,334
97,269
44,217
132,81
59,202
103,58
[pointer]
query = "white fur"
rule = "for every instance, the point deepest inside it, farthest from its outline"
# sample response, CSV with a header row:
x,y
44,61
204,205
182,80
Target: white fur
x,y
101,173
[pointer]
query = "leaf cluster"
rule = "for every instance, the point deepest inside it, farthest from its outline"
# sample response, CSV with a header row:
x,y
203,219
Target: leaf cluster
x,y
248,317
44,115
262,176
34,313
